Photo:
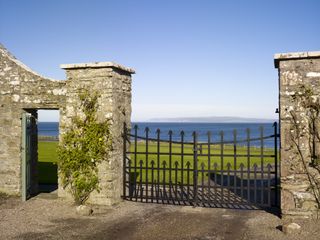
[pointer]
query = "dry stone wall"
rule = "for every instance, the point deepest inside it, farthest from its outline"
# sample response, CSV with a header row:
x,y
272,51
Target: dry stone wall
x,y
21,90
297,70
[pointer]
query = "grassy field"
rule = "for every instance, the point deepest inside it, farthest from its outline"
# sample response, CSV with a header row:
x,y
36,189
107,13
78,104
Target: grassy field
x,y
228,153
175,163
48,159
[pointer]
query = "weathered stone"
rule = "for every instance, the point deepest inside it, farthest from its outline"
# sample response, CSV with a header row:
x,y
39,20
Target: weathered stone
x,y
309,205
84,210
21,89
287,197
104,65
114,104
296,69
291,228
294,185
296,214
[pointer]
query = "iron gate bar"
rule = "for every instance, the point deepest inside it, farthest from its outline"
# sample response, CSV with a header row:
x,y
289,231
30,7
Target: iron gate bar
x,y
262,159
215,166
202,182
255,182
269,185
124,138
209,162
188,180
152,179
170,162
158,161
146,161
182,154
228,180
248,164
201,143
195,168
235,155
140,182
241,186
276,135
135,160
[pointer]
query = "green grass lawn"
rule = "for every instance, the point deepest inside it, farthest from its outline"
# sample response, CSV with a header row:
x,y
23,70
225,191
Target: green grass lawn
x,y
227,163
47,159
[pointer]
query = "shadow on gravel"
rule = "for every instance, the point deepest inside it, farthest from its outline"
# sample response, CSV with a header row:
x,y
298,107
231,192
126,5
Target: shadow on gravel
x,y
83,228
156,223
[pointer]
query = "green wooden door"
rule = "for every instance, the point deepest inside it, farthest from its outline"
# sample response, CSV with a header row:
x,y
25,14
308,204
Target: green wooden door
x,y
26,155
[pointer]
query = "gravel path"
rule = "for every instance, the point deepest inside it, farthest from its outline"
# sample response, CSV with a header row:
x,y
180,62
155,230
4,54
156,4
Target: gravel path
x,y
42,218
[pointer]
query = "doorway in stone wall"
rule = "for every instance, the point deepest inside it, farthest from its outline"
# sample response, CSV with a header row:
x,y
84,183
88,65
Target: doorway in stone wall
x,y
39,171
48,139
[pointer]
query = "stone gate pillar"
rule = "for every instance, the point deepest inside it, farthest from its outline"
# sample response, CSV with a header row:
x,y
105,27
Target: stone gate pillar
x,y
113,83
296,70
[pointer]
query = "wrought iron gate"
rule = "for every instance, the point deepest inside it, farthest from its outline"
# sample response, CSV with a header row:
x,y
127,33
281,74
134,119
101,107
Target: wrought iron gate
x,y
237,173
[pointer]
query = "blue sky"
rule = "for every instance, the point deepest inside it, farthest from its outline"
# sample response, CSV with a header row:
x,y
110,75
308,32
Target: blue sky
x,y
192,58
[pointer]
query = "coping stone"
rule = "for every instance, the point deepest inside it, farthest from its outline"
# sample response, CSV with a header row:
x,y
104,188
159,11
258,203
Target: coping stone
x,y
97,65
294,55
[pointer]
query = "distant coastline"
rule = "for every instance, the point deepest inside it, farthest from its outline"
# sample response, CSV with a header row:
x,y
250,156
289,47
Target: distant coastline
x,y
210,119
51,130
226,119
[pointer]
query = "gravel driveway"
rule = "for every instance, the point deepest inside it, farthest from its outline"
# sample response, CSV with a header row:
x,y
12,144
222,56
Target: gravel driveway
x,y
43,218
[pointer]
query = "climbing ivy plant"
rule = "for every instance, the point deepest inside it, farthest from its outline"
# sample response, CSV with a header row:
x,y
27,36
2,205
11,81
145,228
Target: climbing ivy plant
x,y
305,135
84,145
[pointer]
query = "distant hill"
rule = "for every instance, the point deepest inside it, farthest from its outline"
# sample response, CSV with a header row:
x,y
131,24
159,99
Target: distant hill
x,y
213,120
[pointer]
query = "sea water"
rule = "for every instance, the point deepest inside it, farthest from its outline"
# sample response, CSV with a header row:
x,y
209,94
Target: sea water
x,y
202,129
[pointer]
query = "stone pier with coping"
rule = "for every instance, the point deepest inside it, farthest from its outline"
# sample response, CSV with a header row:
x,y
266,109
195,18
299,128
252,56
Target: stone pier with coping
x,y
296,70
113,83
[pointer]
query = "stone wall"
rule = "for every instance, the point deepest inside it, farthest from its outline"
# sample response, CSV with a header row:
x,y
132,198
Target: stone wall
x,y
295,70
113,83
21,90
